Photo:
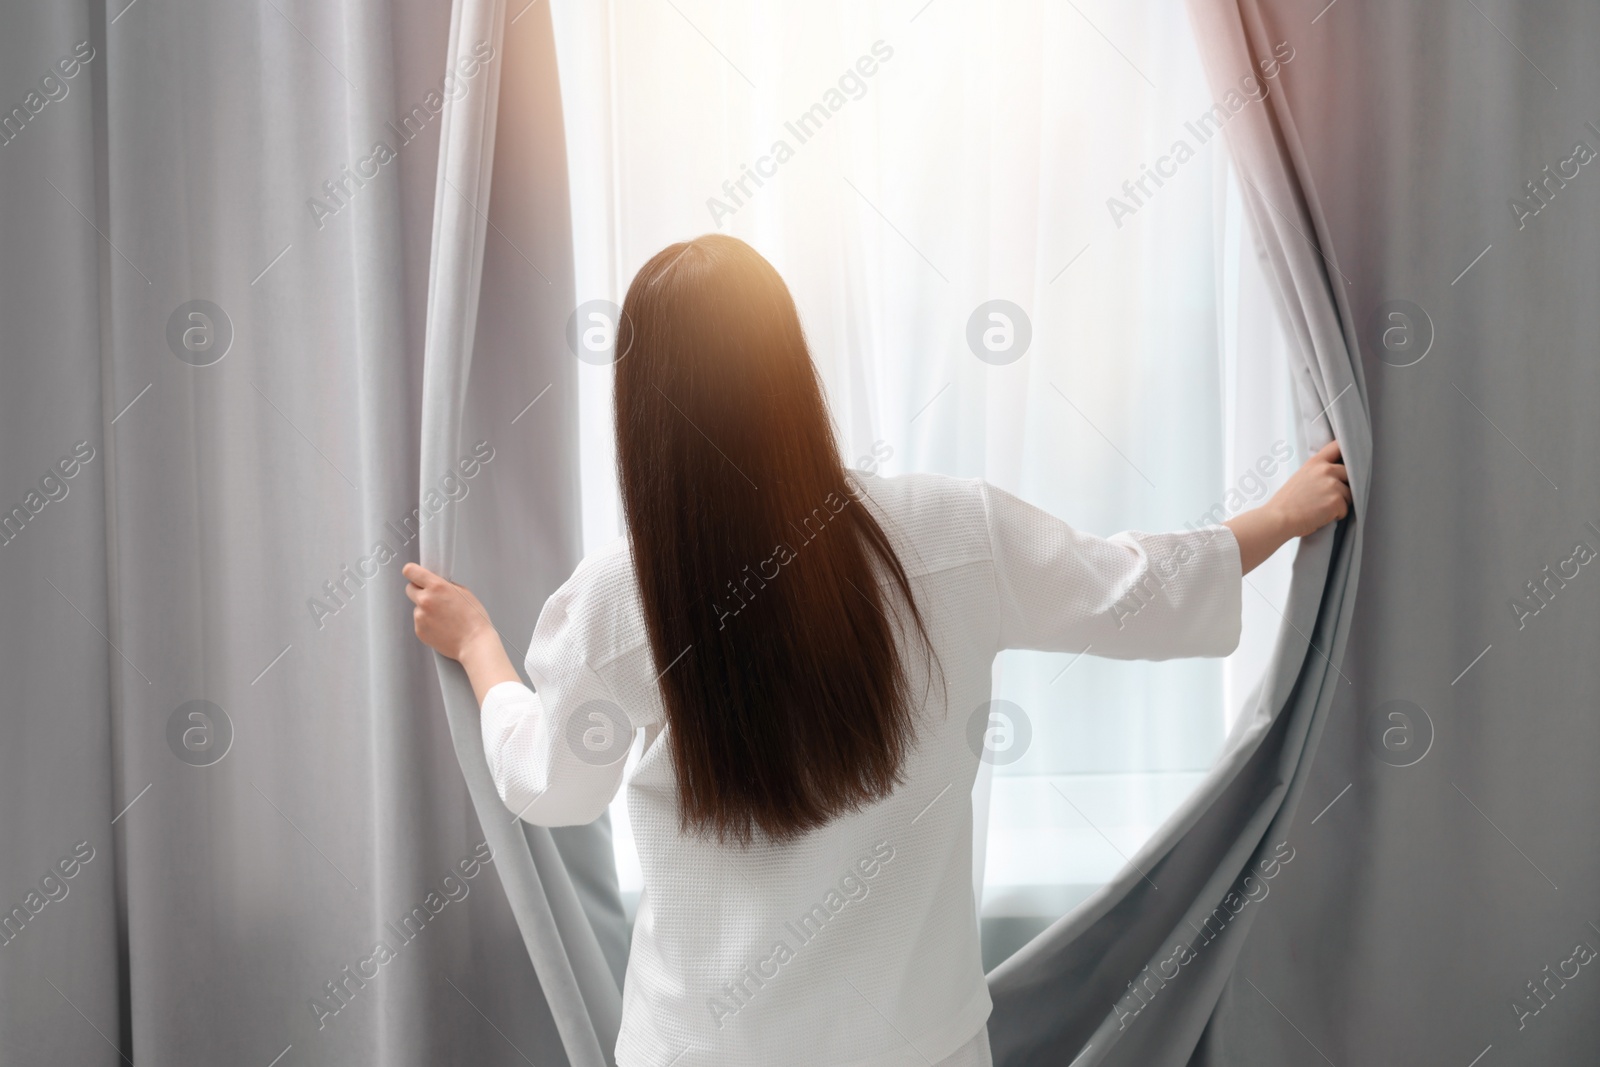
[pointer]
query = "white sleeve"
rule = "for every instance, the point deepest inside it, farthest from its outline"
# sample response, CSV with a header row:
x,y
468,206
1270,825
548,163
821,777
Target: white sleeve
x,y
1129,596
557,756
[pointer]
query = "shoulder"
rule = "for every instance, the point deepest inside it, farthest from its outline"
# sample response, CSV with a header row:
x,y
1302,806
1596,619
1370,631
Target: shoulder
x,y
604,564
598,607
592,632
935,521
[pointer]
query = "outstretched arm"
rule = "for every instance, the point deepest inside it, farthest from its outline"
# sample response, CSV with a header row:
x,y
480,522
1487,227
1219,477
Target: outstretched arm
x,y
1315,495
556,757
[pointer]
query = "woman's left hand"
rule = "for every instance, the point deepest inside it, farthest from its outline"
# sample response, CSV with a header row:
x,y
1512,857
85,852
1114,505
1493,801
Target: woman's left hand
x,y
448,618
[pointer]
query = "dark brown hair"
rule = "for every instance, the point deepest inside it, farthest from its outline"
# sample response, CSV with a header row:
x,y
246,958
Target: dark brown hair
x,y
757,557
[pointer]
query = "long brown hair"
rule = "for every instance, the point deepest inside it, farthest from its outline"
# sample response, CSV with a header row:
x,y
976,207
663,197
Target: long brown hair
x,y
758,559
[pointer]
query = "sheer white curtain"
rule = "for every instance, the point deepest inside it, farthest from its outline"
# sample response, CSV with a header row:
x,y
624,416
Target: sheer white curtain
x,y
913,161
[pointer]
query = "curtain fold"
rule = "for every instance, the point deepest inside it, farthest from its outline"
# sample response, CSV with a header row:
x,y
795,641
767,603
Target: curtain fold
x,y
578,980
1444,899
233,826
1133,976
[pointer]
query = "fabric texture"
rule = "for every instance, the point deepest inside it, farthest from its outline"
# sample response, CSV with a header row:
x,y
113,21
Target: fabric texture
x,y
975,1053
858,942
211,681
1446,889
578,980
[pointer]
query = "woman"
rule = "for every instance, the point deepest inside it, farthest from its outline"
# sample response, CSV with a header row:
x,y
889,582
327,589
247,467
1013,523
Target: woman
x,y
808,651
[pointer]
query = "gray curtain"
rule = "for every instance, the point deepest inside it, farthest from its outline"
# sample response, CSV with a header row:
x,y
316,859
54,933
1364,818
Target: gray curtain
x,y
1446,891
1132,976
226,773
1418,186
584,993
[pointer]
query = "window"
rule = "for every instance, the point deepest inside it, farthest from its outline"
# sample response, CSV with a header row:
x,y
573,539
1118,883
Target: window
x,y
905,166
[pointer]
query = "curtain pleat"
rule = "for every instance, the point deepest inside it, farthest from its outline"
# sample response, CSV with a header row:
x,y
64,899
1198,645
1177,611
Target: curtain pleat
x,y
578,982
1438,887
233,828
1133,976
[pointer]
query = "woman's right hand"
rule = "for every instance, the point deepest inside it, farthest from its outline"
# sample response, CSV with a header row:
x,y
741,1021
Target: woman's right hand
x,y
1315,495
